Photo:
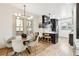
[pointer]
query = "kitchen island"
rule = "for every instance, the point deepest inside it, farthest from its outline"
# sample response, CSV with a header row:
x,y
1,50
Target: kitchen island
x,y
53,35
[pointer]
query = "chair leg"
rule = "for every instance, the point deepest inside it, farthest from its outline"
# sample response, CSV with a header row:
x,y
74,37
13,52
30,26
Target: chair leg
x,y
28,50
15,54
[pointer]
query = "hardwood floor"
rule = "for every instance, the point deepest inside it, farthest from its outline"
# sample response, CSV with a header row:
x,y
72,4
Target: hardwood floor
x,y
62,48
34,51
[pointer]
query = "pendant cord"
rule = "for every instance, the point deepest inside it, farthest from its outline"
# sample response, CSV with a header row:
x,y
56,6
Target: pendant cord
x,y
24,10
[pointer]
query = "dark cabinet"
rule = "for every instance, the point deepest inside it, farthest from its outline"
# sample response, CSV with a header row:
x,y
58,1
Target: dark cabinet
x,y
71,39
54,38
54,23
45,20
77,20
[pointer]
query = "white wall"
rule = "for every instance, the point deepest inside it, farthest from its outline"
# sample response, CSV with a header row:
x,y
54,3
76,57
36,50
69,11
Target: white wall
x,y
6,29
36,22
66,12
74,21
62,32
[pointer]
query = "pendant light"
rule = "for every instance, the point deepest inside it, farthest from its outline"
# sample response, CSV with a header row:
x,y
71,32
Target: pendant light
x,y
24,12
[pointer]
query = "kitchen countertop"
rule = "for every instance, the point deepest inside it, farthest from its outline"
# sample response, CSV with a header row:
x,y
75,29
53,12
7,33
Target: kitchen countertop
x,y
51,32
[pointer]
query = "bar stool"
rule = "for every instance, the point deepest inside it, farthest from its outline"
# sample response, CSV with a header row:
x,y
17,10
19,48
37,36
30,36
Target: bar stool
x,y
48,38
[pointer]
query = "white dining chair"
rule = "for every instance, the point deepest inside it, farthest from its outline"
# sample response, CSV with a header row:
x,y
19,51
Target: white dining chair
x,y
34,44
8,42
41,34
18,46
18,37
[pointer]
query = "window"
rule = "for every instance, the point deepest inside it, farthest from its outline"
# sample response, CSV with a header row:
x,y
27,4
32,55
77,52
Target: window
x,y
29,23
29,26
19,25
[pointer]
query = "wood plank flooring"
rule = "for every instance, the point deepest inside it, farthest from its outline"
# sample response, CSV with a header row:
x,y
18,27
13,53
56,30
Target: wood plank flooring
x,y
62,48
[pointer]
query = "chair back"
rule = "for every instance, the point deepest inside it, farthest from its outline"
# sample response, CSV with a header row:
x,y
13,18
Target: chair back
x,y
35,42
18,46
18,37
37,39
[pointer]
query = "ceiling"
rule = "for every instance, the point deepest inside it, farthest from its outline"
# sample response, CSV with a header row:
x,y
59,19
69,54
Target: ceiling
x,y
42,8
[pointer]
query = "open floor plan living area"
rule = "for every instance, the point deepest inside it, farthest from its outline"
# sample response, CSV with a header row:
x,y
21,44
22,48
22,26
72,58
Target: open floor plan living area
x,y
39,29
